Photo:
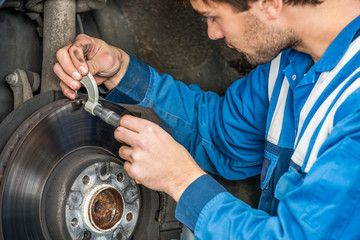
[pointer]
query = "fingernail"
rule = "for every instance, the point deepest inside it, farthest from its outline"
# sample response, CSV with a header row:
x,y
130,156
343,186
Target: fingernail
x,y
82,70
74,85
76,76
70,95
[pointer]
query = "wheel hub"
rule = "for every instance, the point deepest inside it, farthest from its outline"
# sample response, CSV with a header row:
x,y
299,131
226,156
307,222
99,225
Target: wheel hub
x,y
103,201
106,209
61,177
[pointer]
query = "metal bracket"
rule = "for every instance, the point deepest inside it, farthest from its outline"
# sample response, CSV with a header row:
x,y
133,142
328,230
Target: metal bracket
x,y
22,83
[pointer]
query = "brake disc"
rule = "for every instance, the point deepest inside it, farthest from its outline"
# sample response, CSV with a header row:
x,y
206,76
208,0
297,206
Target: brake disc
x,y
65,180
61,177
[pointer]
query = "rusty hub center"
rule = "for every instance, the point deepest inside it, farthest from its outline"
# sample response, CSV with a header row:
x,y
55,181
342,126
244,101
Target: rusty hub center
x,y
106,208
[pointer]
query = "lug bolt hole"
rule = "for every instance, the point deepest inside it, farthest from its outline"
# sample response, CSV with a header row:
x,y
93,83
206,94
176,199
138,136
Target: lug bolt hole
x,y
117,236
74,222
120,177
129,216
86,180
86,235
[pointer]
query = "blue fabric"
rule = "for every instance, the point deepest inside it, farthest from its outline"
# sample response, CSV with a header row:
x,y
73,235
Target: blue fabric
x,y
186,114
278,161
1,2
228,136
199,193
138,75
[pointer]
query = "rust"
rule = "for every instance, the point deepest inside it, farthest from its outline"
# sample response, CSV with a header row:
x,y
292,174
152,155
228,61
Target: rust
x,y
106,209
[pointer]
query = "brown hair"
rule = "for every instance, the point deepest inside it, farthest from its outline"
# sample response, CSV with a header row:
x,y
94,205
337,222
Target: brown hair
x,y
243,5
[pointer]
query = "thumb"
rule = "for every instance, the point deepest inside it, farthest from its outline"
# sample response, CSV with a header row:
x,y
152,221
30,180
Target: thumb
x,y
104,65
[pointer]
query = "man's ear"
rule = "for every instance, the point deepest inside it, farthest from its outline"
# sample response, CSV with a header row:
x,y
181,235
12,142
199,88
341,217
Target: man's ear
x,y
272,8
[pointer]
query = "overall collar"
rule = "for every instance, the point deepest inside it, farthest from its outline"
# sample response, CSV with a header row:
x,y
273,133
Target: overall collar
x,y
338,47
300,63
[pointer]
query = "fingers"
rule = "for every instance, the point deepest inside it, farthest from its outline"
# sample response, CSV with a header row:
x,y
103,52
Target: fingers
x,y
68,91
92,55
67,84
83,49
72,61
125,152
125,135
103,64
135,124
129,169
127,166
108,64
67,73
66,62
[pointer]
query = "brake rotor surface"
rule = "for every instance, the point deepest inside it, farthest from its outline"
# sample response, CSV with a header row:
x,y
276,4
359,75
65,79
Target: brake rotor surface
x,y
33,152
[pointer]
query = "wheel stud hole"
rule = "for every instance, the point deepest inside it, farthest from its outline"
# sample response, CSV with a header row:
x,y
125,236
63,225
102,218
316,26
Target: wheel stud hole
x,y
74,222
117,235
86,180
86,235
120,177
129,216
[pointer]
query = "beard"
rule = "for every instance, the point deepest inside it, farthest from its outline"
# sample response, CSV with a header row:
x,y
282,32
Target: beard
x,y
267,43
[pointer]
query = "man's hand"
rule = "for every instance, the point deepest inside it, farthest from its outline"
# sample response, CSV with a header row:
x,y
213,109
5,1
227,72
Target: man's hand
x,y
154,158
107,63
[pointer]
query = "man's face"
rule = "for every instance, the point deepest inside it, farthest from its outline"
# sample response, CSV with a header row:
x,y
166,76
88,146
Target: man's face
x,y
244,31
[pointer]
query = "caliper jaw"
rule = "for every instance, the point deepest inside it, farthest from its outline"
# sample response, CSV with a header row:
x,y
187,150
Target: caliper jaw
x,y
92,91
93,106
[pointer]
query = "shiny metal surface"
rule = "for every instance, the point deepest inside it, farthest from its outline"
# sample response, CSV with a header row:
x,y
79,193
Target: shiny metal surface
x,y
92,91
39,144
101,201
92,104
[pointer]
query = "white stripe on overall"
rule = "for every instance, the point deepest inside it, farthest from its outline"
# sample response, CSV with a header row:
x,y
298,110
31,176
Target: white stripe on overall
x,y
320,118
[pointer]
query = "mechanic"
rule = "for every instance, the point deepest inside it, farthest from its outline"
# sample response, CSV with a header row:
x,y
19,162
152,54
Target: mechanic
x,y
294,119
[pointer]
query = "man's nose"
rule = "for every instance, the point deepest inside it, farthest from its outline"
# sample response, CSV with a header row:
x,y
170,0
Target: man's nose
x,y
214,31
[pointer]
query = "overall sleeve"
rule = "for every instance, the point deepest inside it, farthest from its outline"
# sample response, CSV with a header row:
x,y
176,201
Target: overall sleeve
x,y
225,135
322,204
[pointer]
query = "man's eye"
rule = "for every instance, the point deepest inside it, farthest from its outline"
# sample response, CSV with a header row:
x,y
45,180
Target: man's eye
x,y
208,19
